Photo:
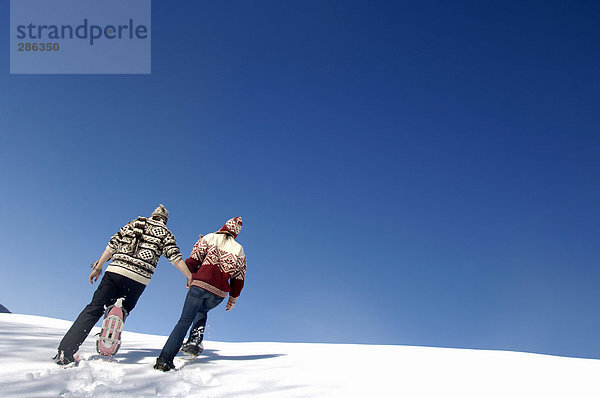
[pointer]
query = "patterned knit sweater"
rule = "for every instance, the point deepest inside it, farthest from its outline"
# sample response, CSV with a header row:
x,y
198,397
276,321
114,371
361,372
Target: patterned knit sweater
x,y
137,247
218,264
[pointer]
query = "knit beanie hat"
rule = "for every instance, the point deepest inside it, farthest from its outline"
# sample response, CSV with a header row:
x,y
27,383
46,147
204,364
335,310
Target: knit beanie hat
x,y
233,226
162,212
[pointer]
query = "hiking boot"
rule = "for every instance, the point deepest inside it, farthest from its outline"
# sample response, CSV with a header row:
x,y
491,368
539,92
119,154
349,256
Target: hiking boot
x,y
63,359
163,364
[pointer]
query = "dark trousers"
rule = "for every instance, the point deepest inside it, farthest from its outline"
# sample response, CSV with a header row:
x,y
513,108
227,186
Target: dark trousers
x,y
112,286
197,301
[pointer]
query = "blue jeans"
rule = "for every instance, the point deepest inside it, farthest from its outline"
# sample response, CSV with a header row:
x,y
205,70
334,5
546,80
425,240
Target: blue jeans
x,y
197,301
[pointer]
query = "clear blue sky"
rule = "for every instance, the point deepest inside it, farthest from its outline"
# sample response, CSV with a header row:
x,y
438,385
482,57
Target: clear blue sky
x,y
420,173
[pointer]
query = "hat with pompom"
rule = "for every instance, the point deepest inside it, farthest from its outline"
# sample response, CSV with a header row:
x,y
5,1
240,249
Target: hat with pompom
x,y
162,212
233,226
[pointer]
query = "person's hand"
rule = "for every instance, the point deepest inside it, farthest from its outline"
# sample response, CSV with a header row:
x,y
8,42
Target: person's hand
x,y
94,275
230,303
189,281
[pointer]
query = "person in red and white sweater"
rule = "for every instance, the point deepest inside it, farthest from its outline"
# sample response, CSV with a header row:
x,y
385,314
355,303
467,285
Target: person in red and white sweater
x,y
218,267
218,262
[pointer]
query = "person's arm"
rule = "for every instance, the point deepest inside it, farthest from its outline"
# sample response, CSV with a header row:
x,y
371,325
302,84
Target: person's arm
x,y
181,266
236,289
173,254
113,246
97,270
237,282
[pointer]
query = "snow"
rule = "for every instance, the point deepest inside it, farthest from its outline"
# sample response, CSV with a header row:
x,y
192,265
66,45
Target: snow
x,y
27,344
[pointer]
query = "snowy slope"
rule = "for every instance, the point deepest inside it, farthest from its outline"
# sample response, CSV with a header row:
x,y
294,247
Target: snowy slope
x,y
279,369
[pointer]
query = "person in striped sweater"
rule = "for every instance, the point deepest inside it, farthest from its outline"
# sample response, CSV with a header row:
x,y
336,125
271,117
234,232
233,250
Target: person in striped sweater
x,y
135,251
218,266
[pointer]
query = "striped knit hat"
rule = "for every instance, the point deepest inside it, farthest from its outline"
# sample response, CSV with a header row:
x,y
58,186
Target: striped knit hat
x,y
233,226
162,212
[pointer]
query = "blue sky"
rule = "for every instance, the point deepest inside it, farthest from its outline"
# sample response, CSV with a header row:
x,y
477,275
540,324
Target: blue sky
x,y
420,174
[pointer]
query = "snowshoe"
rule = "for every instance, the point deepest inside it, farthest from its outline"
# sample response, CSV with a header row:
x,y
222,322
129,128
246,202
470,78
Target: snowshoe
x,y
194,345
109,339
163,365
192,349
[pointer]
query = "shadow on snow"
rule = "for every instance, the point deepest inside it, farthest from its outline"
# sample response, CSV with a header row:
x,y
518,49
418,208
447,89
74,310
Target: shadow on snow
x,y
141,355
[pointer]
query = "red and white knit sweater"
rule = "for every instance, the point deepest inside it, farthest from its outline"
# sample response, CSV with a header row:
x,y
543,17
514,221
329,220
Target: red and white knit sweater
x,y
218,262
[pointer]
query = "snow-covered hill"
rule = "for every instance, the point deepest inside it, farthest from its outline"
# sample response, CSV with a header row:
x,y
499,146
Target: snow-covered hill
x,y
27,344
